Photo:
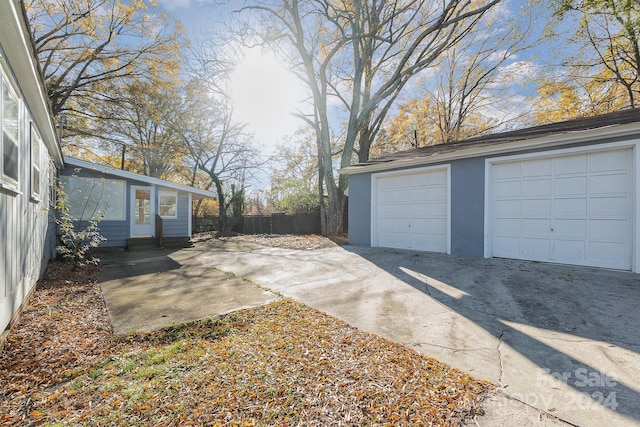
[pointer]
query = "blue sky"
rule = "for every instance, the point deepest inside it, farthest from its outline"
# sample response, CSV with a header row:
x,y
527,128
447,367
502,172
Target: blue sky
x,y
265,92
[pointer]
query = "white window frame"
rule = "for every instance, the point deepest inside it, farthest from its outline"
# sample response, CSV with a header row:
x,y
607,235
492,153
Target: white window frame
x,y
167,193
36,149
53,184
7,182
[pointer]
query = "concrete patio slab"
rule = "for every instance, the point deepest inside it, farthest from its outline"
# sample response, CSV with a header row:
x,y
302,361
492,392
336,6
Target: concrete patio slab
x,y
562,342
145,291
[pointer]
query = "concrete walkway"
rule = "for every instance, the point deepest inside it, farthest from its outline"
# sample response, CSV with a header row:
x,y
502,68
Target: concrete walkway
x,y
563,343
145,291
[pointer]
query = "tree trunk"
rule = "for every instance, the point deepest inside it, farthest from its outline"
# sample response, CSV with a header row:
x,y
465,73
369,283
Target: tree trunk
x,y
222,208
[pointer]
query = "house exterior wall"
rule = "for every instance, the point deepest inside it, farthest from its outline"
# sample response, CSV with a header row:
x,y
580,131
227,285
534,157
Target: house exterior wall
x,y
360,210
118,231
467,199
178,227
467,207
27,233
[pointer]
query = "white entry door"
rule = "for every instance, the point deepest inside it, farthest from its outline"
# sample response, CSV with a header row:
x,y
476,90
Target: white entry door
x,y
411,210
142,211
570,209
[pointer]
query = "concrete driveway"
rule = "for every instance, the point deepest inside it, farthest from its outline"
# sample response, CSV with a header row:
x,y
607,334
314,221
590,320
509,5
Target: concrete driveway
x,y
562,342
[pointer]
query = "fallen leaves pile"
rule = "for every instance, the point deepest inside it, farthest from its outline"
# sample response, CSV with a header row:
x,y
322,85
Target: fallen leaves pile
x,y
281,364
284,241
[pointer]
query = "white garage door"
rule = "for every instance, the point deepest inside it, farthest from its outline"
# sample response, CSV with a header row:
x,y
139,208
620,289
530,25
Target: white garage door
x,y
570,209
411,210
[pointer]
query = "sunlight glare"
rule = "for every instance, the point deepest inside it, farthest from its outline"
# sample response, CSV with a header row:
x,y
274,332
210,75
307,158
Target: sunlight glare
x,y
264,95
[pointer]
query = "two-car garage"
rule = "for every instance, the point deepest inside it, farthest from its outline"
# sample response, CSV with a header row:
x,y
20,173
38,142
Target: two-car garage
x,y
572,205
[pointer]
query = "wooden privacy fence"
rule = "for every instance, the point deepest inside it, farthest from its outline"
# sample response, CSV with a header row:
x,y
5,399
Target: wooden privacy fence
x,y
263,224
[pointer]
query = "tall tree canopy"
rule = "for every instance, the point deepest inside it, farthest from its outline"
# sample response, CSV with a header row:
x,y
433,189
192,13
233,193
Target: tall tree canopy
x,y
358,55
86,47
470,91
604,69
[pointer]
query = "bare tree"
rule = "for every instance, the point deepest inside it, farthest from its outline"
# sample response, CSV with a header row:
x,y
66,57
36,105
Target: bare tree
x,y
467,93
215,144
362,54
606,57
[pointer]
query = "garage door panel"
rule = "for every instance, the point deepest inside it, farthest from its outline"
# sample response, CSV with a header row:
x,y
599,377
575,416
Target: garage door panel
x,y
436,226
608,254
573,228
394,196
610,229
507,226
393,210
573,164
429,194
508,171
394,182
428,242
536,207
571,207
608,207
534,248
536,188
535,227
579,213
429,179
505,246
609,184
570,251
540,167
395,240
570,186
509,208
606,161
506,189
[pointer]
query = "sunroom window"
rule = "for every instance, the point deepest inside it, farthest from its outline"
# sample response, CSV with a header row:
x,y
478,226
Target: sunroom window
x,y
168,204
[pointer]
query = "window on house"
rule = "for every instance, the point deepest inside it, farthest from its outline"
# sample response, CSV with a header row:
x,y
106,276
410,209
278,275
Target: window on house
x,y
53,183
168,204
92,198
9,117
36,142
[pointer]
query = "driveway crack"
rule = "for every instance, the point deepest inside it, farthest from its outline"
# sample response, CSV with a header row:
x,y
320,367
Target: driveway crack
x,y
499,350
426,285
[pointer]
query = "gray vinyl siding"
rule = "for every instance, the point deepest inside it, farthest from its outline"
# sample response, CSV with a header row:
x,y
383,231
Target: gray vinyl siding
x,y
360,210
26,232
467,207
178,227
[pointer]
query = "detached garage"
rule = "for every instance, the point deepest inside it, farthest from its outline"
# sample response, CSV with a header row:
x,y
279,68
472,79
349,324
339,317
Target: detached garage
x,y
565,193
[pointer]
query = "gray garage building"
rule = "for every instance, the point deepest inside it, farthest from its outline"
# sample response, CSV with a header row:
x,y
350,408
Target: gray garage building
x,y
565,192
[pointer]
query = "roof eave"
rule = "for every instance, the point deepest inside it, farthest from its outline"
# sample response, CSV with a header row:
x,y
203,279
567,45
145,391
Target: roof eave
x,y
137,177
15,31
547,141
